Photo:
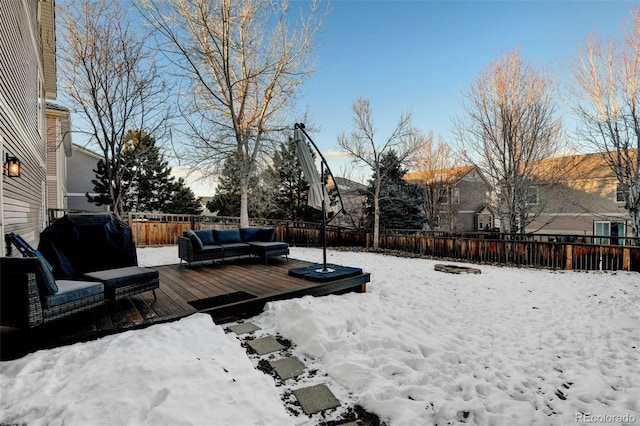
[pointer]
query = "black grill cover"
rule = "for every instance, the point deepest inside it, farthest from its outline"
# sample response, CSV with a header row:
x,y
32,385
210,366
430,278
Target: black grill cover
x,y
81,243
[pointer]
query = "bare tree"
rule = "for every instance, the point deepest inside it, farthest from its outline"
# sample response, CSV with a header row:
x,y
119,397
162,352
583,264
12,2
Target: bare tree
x,y
244,61
363,146
108,72
607,102
432,165
510,125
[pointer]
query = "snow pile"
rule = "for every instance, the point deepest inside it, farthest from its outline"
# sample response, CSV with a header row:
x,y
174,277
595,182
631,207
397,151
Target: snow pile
x,y
184,373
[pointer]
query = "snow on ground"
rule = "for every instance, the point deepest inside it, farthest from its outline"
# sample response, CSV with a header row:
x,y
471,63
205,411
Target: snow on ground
x,y
184,373
507,347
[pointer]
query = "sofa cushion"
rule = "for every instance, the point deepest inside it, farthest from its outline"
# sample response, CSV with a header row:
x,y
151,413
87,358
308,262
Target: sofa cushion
x,y
206,236
235,247
227,236
261,248
69,291
267,234
250,234
113,278
211,249
37,265
48,282
195,240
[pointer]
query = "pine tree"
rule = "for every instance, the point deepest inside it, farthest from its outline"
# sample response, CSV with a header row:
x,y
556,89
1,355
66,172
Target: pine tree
x,y
182,200
147,180
400,200
292,188
226,201
100,186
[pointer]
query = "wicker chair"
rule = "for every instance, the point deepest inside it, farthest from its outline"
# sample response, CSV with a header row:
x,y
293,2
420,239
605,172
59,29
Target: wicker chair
x,y
30,297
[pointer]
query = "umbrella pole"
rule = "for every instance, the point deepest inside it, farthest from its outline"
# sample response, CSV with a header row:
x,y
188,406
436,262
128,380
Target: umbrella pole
x,y
324,223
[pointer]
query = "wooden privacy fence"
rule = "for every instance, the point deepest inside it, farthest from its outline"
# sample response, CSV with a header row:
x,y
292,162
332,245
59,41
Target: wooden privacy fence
x,y
520,253
149,229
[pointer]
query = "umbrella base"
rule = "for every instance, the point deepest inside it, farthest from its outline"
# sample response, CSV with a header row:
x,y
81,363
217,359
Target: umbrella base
x,y
320,274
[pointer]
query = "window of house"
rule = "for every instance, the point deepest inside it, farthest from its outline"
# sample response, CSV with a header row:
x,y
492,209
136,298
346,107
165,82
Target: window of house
x,y
446,195
621,192
532,195
606,232
443,196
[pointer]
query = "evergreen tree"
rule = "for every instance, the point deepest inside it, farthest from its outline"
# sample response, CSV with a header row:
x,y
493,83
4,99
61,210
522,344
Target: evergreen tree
x,y
147,180
100,186
400,200
153,183
226,201
292,189
182,200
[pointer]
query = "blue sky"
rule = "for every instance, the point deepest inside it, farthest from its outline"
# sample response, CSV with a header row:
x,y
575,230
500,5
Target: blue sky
x,y
419,56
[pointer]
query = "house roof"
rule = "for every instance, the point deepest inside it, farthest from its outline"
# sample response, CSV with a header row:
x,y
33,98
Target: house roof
x,y
347,185
87,151
579,166
449,175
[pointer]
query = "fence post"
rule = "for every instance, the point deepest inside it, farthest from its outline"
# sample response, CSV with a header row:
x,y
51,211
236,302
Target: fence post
x,y
568,258
626,259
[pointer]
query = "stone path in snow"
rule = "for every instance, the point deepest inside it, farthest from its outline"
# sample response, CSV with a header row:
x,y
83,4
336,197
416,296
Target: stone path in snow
x,y
304,392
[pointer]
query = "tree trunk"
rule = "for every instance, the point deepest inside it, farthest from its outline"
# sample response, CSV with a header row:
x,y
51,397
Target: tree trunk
x,y
244,203
376,213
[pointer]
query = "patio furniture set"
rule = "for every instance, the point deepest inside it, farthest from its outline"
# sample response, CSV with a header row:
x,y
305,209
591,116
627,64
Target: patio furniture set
x,y
83,261
212,244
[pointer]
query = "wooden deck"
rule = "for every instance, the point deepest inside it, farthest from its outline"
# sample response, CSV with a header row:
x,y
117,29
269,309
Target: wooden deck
x,y
179,285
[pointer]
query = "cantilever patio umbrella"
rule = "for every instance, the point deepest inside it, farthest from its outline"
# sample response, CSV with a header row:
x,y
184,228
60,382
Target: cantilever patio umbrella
x,y
318,196
317,192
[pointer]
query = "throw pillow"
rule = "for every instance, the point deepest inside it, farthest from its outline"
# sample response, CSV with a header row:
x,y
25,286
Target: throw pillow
x,y
195,240
47,278
206,236
268,235
227,236
251,234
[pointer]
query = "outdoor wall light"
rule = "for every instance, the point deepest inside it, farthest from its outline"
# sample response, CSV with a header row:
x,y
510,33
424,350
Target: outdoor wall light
x,y
12,166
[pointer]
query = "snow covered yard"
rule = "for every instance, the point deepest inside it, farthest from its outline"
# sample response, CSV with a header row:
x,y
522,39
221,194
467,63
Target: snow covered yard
x,y
507,347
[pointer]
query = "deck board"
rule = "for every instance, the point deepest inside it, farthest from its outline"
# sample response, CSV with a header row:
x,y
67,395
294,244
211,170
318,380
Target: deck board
x,y
180,284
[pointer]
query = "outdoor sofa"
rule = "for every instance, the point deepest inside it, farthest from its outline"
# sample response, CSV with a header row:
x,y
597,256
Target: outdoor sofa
x,y
30,296
212,244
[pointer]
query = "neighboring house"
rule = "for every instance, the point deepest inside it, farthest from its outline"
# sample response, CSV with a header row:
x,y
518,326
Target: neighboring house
x,y
459,200
58,149
80,173
589,203
354,197
27,79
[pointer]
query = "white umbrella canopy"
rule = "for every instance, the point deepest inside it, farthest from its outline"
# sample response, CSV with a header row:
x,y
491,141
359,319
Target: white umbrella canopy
x,y
317,191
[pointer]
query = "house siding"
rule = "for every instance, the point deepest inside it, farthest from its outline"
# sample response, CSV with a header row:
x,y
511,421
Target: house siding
x,y
22,118
56,162
578,205
80,172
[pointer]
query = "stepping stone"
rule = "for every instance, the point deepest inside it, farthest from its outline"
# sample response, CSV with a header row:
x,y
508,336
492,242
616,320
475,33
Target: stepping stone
x,y
315,399
245,327
265,345
287,368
